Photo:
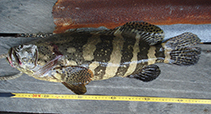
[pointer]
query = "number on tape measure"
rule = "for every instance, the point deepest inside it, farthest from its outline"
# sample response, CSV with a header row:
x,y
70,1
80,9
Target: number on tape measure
x,y
111,98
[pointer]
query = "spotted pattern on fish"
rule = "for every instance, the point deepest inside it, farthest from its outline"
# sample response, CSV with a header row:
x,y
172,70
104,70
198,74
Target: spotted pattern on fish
x,y
75,58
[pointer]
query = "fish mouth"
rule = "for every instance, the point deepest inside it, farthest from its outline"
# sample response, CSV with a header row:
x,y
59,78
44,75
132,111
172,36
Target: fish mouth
x,y
13,58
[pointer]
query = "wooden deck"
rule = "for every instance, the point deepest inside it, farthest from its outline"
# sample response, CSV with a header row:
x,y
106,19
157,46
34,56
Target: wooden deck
x,y
33,16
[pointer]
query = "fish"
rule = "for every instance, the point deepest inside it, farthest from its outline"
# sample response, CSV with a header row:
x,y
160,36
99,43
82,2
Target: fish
x,y
75,58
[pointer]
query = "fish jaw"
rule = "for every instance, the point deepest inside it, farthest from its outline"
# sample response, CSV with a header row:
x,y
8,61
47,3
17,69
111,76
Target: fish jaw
x,y
13,59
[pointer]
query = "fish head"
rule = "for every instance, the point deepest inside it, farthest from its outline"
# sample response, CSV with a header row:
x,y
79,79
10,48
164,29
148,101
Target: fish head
x,y
23,57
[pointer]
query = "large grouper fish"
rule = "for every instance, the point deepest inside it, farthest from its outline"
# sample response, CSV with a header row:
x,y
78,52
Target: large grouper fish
x,y
75,58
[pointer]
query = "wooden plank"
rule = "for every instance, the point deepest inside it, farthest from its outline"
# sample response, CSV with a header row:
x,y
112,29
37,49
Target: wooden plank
x,y
28,16
175,81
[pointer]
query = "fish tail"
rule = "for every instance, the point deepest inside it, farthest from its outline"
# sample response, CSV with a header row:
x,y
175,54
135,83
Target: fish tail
x,y
179,50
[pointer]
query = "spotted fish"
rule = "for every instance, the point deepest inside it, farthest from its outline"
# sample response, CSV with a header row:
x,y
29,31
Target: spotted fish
x,y
75,58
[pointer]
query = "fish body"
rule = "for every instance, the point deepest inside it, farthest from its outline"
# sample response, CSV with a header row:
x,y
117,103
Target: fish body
x,y
75,58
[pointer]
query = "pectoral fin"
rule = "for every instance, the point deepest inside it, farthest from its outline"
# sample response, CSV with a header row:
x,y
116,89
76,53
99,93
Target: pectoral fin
x,y
147,73
75,78
77,89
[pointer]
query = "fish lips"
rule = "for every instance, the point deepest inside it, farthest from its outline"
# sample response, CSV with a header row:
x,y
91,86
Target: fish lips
x,y
13,58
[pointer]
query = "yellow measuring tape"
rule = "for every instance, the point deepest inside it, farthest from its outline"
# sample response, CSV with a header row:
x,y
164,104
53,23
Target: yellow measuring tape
x,y
111,98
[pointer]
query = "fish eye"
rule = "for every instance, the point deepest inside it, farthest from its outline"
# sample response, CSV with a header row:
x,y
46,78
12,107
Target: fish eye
x,y
20,46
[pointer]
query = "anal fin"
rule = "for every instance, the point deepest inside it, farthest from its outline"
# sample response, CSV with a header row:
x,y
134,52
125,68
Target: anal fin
x,y
147,73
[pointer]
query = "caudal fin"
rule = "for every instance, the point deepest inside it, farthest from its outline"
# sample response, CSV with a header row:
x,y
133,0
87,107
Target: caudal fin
x,y
179,50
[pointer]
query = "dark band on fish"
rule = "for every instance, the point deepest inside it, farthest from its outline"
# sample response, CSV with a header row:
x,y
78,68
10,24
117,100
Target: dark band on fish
x,y
102,53
159,53
127,55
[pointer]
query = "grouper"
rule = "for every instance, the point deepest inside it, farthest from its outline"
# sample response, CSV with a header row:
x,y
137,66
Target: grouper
x,y
76,58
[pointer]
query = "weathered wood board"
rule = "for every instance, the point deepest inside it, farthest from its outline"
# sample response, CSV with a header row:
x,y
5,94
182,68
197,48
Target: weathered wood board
x,y
32,16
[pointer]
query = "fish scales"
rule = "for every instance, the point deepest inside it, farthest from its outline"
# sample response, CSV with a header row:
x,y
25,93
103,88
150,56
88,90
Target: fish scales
x,y
130,54
115,55
75,58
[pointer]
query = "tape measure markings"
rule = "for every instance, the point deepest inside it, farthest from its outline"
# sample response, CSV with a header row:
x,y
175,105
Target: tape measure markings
x,y
111,98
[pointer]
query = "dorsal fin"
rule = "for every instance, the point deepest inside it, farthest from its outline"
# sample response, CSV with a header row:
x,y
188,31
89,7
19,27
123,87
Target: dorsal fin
x,y
149,33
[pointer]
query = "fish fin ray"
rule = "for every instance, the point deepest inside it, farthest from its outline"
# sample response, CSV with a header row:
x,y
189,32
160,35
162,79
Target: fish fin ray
x,y
185,56
181,49
148,33
186,39
77,89
75,77
147,73
47,66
